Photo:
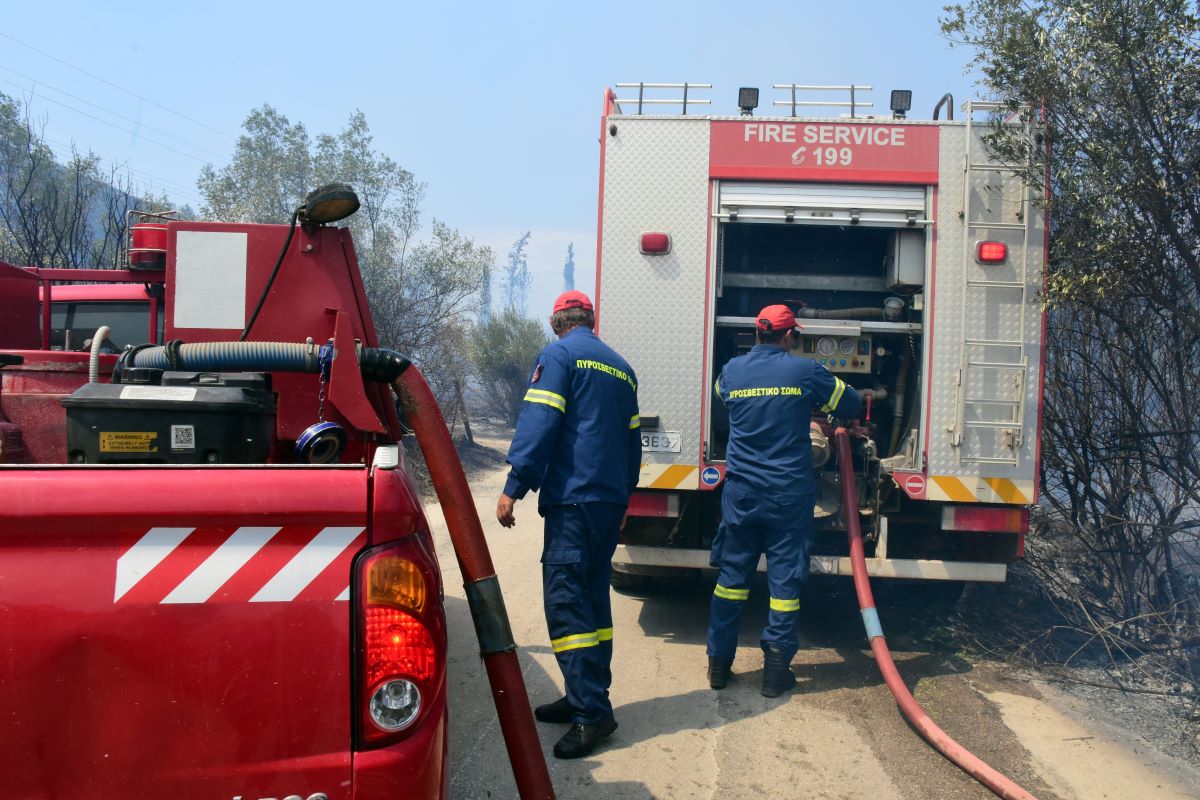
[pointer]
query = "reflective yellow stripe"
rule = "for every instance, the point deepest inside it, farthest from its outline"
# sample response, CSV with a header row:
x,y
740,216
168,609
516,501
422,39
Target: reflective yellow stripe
x,y
635,422
838,389
785,605
575,641
605,634
549,398
731,594
717,386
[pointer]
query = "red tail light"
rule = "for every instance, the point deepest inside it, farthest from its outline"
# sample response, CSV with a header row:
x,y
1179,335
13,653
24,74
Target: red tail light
x,y
401,659
991,252
986,518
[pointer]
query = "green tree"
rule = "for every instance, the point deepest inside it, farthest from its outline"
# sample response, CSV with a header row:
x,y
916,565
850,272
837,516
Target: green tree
x,y
517,279
54,214
503,355
1114,85
420,293
569,268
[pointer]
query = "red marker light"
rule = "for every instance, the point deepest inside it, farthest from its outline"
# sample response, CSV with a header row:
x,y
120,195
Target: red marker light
x,y
656,244
991,252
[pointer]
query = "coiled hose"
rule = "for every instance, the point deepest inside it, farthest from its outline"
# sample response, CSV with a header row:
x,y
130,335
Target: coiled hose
x,y
929,730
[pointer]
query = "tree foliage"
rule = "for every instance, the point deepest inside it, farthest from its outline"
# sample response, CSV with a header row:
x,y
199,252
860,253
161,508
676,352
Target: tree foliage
x,y
56,214
517,279
569,268
1115,87
504,352
420,293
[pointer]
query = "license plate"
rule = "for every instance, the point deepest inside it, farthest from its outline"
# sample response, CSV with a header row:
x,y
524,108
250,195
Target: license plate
x,y
660,441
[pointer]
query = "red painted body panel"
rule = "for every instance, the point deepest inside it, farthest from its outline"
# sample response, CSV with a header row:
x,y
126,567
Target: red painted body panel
x,y
30,395
18,307
873,152
134,668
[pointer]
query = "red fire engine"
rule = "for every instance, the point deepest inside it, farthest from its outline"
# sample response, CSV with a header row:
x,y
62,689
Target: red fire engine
x,y
216,579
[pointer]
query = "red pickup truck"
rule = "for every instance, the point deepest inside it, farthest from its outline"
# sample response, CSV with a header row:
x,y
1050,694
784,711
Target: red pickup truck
x,y
216,580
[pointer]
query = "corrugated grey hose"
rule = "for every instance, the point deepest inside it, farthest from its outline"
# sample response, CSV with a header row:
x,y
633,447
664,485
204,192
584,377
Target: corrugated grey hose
x,y
376,363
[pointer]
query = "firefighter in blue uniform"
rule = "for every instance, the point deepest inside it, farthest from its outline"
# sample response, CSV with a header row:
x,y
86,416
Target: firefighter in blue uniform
x,y
767,503
579,445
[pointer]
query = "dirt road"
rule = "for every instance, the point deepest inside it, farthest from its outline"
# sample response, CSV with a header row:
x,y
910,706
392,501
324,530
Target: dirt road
x,y
839,735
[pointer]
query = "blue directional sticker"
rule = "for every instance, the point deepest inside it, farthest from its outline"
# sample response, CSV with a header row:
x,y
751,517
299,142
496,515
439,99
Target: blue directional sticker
x,y
711,476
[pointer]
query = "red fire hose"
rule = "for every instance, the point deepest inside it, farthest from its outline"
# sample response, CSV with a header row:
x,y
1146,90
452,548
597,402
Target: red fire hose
x,y
970,763
483,589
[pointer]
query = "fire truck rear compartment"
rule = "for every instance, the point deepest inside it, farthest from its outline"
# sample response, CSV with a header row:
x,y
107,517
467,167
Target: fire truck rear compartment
x,y
859,320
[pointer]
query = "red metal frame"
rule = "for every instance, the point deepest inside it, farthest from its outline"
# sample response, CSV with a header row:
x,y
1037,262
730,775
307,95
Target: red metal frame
x,y
609,103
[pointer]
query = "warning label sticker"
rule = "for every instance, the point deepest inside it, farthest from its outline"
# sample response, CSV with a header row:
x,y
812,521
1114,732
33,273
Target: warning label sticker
x,y
128,442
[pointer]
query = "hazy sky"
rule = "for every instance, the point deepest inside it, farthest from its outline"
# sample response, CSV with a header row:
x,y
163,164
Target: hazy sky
x,y
494,106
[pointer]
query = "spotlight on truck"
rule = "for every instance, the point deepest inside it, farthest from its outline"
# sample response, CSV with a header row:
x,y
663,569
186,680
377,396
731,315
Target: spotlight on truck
x,y
901,102
329,203
747,100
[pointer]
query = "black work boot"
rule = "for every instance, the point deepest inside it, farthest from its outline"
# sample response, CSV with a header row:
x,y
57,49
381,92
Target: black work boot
x,y
777,673
559,711
580,740
719,673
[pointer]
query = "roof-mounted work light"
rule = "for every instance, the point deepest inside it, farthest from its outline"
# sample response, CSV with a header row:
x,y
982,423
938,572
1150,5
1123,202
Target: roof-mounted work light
x,y
901,102
747,100
328,203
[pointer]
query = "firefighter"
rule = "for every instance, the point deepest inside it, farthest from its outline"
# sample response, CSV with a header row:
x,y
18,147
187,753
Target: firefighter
x,y
577,444
767,503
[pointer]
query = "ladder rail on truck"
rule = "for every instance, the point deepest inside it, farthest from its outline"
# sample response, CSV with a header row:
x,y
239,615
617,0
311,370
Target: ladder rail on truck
x,y
884,232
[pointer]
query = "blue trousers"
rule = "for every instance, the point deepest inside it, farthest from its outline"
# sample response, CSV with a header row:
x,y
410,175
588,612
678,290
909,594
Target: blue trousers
x,y
753,524
576,561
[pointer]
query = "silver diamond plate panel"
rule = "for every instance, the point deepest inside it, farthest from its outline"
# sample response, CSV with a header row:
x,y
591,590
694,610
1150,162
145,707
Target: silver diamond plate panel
x,y
652,307
992,313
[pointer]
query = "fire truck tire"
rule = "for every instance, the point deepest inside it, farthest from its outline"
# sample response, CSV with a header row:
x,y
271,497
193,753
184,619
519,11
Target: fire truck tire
x,y
628,582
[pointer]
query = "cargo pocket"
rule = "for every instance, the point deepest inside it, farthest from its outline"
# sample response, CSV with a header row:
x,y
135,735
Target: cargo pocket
x,y
562,576
714,558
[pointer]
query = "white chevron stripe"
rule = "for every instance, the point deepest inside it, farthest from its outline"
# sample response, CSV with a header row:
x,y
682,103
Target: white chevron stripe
x,y
144,556
306,565
219,567
345,595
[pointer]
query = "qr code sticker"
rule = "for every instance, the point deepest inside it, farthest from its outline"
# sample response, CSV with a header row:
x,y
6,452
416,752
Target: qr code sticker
x,y
183,437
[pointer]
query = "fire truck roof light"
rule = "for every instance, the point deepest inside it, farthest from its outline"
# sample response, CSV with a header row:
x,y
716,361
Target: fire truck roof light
x,y
330,203
901,101
655,244
747,100
991,252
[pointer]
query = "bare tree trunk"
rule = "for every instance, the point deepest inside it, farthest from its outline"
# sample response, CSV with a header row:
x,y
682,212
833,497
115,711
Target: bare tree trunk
x,y
462,404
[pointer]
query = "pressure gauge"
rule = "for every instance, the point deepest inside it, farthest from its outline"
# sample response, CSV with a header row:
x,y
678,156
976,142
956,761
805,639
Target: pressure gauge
x,y
846,347
826,345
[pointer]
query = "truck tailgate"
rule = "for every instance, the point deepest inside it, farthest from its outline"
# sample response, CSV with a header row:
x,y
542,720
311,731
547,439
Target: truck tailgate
x,y
177,632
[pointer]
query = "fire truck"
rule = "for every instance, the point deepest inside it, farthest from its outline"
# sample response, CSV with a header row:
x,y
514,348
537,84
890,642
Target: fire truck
x,y
913,258
216,578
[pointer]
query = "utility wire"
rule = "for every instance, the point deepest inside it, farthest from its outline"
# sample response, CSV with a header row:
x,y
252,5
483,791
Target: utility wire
x,y
36,82
178,191
115,86
104,121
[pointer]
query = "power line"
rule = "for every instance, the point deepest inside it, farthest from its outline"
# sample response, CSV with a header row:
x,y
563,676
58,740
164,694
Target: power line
x,y
115,86
103,121
37,82
178,191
